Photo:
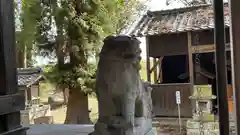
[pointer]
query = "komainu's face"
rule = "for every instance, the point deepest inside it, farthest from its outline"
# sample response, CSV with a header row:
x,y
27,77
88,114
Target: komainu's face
x,y
122,47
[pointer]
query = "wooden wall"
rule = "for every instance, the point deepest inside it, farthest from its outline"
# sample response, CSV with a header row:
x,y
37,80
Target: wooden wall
x,y
167,45
164,100
177,44
163,95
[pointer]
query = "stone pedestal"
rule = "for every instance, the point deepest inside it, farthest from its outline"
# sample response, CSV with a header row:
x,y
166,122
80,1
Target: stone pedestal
x,y
143,127
30,114
44,120
203,122
206,127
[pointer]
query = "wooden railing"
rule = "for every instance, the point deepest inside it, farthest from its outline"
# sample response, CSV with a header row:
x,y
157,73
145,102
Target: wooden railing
x,y
164,100
28,115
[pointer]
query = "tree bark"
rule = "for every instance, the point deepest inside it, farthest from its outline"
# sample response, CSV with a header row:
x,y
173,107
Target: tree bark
x,y
65,95
21,57
77,108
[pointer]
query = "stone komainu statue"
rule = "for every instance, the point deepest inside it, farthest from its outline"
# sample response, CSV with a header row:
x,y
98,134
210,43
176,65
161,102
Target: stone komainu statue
x,y
125,104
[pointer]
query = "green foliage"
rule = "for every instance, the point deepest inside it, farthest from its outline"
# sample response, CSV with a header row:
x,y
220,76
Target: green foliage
x,y
81,26
27,18
127,12
74,78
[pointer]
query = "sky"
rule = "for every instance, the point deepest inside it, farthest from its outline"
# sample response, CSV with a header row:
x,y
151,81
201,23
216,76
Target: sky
x,y
161,5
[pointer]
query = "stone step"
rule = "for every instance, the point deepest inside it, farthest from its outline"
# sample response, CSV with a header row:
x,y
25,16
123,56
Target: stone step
x,y
61,129
169,121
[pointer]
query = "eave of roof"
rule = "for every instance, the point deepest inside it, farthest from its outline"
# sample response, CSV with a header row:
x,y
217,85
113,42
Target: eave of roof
x,y
29,76
177,21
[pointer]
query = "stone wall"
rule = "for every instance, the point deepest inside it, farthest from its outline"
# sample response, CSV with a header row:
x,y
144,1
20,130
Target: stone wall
x,y
169,126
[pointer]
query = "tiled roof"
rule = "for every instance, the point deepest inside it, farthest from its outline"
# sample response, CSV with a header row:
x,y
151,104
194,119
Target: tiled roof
x,y
28,76
178,20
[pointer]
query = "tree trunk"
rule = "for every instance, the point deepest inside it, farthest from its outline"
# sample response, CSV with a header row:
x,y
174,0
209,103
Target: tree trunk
x,y
77,108
20,59
65,95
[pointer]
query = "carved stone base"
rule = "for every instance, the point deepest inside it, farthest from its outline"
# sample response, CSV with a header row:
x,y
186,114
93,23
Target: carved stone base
x,y
143,127
208,128
211,125
204,132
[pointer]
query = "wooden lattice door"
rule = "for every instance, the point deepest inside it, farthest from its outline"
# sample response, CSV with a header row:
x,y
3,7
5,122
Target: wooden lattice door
x,y
11,101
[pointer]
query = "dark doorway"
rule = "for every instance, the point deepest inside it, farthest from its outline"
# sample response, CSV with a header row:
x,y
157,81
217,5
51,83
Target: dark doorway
x,y
173,67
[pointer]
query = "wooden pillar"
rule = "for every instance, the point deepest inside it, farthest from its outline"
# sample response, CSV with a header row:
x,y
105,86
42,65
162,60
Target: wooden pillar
x,y
11,102
29,94
26,96
38,89
190,61
235,57
221,71
160,69
148,60
191,66
155,70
